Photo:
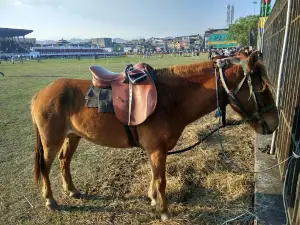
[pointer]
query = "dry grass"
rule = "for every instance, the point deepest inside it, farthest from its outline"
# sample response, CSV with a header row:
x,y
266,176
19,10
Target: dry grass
x,y
201,187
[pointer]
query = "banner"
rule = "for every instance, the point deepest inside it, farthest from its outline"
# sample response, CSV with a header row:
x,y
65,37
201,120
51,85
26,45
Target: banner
x,y
220,40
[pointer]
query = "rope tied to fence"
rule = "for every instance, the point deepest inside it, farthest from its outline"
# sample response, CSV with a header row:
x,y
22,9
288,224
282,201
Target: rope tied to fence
x,y
296,153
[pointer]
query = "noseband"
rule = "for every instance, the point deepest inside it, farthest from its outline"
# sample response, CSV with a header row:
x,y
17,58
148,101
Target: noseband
x,y
259,108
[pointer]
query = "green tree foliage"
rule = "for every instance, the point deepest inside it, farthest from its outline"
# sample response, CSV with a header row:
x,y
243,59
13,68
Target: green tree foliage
x,y
240,30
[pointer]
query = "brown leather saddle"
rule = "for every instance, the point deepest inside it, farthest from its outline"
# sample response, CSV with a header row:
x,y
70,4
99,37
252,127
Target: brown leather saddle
x,y
134,93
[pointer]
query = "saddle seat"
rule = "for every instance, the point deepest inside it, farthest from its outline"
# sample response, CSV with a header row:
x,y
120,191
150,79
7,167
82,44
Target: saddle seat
x,y
104,74
134,93
102,77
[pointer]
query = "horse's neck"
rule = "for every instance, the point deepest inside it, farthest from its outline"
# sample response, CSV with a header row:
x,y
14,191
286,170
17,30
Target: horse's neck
x,y
187,103
186,99
199,101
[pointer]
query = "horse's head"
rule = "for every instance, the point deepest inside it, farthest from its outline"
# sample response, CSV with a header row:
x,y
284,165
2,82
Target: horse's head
x,y
248,92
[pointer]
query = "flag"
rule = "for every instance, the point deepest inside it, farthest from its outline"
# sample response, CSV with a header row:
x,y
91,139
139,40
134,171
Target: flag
x,y
265,8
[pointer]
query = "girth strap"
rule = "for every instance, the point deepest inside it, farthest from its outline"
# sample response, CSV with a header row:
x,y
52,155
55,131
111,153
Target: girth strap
x,y
132,135
223,107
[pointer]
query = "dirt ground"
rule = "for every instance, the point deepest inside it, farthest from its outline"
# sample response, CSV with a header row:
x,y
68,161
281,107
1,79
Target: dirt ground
x,y
201,187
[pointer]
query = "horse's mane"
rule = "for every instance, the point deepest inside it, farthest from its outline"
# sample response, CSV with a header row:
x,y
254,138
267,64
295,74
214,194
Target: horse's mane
x,y
188,70
172,82
186,74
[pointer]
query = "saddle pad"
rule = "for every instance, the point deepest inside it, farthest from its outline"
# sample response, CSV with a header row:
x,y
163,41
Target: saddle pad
x,y
100,98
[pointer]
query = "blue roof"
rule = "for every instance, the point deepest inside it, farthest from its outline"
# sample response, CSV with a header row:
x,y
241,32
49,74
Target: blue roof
x,y
10,32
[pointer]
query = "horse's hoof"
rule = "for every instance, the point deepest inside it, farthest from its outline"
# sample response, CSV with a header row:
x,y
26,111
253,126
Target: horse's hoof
x,y
75,194
165,216
51,204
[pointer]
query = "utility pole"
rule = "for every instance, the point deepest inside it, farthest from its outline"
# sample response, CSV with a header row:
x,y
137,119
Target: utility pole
x,y
230,14
254,3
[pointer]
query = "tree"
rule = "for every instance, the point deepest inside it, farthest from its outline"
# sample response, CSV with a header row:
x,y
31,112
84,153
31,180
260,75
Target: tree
x,y
240,30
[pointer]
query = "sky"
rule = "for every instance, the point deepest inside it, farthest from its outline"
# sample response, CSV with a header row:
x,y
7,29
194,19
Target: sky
x,y
127,19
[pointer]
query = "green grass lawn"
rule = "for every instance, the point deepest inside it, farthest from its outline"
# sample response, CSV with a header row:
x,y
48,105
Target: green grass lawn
x,y
116,180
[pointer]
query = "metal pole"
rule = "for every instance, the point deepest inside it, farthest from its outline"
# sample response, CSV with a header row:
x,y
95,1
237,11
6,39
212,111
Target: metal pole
x,y
280,73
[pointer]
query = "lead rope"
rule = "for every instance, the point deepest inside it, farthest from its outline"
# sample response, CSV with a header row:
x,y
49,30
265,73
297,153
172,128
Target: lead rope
x,y
219,119
295,155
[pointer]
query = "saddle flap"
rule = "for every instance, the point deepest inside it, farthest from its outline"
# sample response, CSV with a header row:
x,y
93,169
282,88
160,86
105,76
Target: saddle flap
x,y
144,100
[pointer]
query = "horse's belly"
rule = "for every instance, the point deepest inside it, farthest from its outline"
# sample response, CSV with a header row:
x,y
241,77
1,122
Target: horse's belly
x,y
100,128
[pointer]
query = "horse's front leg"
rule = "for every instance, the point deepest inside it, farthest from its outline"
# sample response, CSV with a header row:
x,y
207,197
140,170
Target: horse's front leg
x,y
158,183
152,192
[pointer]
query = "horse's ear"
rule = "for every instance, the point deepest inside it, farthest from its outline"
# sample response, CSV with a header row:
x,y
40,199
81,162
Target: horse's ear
x,y
242,55
253,58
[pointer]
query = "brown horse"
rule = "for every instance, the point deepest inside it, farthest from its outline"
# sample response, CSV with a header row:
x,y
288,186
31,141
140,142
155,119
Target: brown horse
x,y
185,93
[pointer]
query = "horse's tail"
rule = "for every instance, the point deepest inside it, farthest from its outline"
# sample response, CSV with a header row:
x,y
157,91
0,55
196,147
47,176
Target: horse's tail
x,y
39,161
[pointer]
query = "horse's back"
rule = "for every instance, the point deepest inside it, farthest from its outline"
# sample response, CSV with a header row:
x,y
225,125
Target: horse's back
x,y
55,102
60,94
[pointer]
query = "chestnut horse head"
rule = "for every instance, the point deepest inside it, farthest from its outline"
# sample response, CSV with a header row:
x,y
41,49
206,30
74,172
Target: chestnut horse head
x,y
251,98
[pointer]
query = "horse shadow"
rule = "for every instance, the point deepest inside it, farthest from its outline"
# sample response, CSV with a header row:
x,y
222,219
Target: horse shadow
x,y
101,209
93,208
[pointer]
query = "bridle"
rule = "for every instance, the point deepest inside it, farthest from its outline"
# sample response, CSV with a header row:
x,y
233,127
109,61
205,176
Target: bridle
x,y
258,104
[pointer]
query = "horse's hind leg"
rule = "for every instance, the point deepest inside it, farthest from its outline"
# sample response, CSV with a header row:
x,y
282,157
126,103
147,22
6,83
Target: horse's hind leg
x,y
49,156
52,138
65,155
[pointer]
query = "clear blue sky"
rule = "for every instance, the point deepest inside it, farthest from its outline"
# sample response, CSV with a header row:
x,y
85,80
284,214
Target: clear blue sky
x,y
54,19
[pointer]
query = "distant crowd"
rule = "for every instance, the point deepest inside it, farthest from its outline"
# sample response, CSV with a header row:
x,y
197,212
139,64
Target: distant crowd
x,y
12,59
144,54
227,51
222,51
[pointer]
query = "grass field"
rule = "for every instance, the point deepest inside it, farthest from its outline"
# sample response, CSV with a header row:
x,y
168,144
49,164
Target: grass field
x,y
201,188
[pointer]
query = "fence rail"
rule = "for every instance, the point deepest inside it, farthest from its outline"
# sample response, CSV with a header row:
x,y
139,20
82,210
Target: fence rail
x,y
288,135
